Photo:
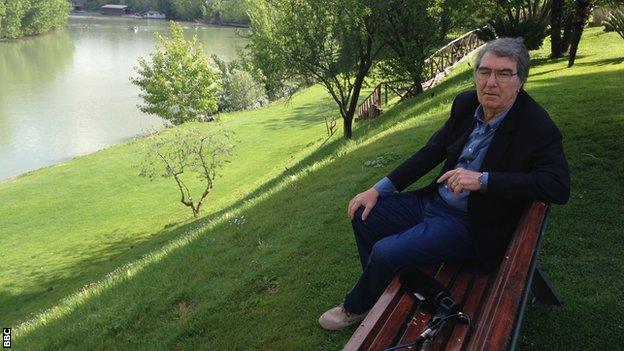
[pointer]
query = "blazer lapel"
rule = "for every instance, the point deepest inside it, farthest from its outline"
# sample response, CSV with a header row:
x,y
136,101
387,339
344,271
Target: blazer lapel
x,y
503,136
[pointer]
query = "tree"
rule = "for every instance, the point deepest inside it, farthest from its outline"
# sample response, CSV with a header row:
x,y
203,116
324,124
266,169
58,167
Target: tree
x,y
30,17
178,84
185,154
332,42
413,30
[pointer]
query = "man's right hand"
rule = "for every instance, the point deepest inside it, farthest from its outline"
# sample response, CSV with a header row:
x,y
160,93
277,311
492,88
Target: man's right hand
x,y
368,199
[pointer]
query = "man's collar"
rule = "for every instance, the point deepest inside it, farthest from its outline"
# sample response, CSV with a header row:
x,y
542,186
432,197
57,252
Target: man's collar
x,y
494,122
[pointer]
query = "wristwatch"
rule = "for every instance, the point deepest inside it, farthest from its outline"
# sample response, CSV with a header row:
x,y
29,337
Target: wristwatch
x,y
480,179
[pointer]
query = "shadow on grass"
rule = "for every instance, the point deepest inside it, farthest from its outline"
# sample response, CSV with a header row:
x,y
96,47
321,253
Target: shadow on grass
x,y
284,221
299,269
420,104
603,62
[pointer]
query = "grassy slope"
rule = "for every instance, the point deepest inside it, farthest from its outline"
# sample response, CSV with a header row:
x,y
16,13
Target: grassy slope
x,y
63,226
260,283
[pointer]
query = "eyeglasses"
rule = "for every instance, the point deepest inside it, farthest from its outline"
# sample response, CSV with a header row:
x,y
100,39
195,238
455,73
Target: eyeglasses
x,y
502,76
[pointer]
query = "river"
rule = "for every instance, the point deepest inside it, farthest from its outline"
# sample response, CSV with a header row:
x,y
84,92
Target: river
x,y
67,93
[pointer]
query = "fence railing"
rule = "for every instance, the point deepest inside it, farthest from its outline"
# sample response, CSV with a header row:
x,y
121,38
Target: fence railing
x,y
437,63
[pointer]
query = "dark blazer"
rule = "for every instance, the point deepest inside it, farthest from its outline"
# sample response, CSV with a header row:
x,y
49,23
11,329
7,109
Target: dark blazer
x,y
525,162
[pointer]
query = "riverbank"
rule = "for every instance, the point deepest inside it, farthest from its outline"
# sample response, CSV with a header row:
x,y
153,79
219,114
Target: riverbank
x,y
94,14
275,248
68,93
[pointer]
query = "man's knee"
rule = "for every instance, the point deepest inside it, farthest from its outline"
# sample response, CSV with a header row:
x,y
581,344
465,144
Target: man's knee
x,y
357,216
382,252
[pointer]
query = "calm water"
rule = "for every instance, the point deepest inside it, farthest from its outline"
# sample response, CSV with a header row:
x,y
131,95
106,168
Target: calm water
x,y
67,93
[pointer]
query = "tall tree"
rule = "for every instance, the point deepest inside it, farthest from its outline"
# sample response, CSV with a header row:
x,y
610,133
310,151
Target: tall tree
x,y
582,11
413,29
556,24
331,42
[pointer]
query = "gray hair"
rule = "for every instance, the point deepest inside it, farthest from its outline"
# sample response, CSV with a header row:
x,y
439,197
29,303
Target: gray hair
x,y
508,47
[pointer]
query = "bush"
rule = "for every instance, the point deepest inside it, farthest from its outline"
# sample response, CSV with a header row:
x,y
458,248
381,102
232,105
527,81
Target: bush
x,y
30,17
241,87
615,21
240,92
528,20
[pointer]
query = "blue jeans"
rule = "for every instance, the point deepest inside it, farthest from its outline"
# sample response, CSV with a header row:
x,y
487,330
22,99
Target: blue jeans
x,y
404,229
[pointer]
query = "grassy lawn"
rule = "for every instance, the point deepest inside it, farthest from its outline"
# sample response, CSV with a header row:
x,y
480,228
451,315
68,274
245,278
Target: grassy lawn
x,y
63,226
275,248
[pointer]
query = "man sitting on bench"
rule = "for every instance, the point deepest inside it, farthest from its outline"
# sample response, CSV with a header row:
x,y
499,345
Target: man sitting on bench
x,y
502,151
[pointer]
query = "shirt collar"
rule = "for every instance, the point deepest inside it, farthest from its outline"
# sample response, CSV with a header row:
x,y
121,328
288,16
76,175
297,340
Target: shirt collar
x,y
494,122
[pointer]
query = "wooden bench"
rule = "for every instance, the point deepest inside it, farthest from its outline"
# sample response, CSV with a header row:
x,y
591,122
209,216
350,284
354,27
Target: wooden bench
x,y
494,302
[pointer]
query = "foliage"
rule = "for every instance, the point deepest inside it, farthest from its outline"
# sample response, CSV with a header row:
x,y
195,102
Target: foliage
x,y
465,15
29,17
329,42
582,11
413,30
213,11
528,19
178,84
240,90
615,20
224,11
286,237
184,155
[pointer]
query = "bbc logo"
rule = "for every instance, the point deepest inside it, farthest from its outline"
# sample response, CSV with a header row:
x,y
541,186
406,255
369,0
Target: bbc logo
x,y
6,338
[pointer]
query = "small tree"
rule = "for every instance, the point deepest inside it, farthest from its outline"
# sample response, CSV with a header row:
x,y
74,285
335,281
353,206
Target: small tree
x,y
333,42
185,154
178,84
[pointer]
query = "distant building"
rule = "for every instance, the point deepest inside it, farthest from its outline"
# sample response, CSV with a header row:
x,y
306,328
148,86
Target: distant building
x,y
154,14
77,4
114,10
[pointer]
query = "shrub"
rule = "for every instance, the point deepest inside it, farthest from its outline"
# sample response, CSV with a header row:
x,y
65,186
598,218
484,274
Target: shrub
x,y
615,21
528,19
240,86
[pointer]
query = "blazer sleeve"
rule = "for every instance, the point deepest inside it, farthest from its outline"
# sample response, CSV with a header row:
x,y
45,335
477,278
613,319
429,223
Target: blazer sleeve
x,y
425,159
548,180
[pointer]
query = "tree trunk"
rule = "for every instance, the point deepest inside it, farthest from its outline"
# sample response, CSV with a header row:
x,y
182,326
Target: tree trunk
x,y
363,68
556,16
347,122
582,11
568,26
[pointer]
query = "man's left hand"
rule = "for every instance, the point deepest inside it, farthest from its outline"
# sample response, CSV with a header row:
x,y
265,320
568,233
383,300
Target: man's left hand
x,y
459,179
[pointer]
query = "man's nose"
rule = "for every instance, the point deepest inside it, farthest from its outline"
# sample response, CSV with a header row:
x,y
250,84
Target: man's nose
x,y
491,81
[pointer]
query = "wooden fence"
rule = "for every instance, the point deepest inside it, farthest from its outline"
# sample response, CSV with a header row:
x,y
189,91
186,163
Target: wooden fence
x,y
437,63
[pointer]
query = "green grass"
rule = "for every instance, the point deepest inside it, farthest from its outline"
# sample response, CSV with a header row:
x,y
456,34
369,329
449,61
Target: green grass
x,y
261,281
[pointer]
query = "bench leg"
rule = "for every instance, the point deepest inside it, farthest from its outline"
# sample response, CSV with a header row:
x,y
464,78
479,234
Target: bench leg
x,y
543,291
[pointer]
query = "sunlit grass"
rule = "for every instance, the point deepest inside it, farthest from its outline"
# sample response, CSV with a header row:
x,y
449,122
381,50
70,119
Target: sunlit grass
x,y
257,274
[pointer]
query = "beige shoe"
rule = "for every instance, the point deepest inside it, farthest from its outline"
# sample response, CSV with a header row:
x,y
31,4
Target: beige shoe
x,y
338,318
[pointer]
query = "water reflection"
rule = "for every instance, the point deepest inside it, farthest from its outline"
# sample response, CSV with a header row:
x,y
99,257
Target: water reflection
x,y
67,93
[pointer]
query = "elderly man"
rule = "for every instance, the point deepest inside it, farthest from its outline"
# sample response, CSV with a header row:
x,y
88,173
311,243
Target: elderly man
x,y
502,151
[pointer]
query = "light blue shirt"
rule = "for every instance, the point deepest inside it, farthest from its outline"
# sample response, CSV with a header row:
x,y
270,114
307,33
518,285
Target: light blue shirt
x,y
471,158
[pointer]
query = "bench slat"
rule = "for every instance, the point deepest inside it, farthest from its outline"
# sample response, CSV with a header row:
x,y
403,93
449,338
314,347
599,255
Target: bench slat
x,y
493,301
420,319
460,291
501,307
473,301
370,326
394,323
